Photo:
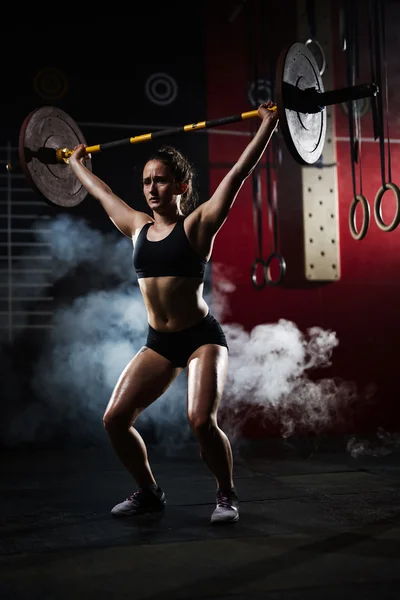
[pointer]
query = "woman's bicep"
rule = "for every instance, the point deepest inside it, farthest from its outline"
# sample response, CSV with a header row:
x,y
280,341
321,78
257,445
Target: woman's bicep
x,y
124,217
215,210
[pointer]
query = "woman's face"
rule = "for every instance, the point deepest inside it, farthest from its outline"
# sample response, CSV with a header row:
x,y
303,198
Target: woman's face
x,y
159,187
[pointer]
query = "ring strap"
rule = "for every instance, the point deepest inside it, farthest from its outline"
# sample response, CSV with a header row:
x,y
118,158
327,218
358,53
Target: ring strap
x,y
257,211
354,122
272,196
252,45
378,44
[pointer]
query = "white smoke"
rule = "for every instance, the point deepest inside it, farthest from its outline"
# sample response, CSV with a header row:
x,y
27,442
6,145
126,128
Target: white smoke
x,y
383,443
91,341
89,346
222,286
269,371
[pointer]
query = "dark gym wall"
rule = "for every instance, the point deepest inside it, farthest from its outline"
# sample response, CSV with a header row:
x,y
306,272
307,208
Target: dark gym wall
x,y
362,307
103,70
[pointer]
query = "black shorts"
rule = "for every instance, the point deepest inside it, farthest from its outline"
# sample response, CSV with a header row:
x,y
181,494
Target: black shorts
x,y
178,346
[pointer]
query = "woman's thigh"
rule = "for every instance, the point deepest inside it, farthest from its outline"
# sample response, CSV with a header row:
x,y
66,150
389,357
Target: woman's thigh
x,y
207,370
146,377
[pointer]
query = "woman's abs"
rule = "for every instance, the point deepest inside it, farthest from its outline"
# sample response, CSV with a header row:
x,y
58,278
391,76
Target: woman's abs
x,y
173,303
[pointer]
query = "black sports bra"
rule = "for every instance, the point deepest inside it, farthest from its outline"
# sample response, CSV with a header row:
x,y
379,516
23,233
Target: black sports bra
x,y
171,256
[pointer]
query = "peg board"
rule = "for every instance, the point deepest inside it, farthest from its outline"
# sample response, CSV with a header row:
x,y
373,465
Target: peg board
x,y
319,183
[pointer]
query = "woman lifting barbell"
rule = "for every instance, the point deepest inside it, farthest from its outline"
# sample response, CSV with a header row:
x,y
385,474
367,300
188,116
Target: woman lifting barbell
x,y
171,250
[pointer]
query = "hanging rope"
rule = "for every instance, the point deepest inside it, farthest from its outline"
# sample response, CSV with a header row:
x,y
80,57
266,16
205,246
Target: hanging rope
x,y
378,17
354,120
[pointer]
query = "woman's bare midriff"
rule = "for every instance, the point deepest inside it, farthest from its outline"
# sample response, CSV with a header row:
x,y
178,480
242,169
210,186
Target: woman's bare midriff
x,y
173,303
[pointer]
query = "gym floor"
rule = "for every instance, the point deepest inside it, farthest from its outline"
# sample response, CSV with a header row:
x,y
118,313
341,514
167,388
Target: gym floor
x,y
315,524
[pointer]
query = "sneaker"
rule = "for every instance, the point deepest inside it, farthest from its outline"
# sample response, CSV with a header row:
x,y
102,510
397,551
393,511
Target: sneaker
x,y
144,500
227,510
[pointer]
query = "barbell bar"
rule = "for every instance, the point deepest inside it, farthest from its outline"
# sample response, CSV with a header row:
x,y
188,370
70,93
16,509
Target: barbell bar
x,y
48,134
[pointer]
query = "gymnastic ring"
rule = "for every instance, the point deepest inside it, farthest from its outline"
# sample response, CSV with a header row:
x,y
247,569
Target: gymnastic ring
x,y
282,268
359,235
378,207
313,41
258,286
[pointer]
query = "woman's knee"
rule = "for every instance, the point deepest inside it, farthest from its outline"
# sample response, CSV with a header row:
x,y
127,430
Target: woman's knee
x,y
201,424
115,421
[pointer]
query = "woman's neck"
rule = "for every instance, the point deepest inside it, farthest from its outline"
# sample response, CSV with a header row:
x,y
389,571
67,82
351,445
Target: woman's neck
x,y
161,221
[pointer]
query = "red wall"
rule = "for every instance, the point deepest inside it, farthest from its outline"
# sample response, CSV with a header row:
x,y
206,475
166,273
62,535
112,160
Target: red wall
x,y
362,307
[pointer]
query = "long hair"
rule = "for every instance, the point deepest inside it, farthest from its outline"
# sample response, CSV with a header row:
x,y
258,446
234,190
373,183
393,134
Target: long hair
x,y
183,172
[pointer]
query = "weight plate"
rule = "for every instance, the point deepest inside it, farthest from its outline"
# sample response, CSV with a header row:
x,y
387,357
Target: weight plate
x,y
44,131
304,132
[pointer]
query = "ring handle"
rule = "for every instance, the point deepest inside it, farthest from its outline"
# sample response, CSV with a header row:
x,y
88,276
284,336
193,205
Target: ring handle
x,y
378,207
258,286
359,235
282,268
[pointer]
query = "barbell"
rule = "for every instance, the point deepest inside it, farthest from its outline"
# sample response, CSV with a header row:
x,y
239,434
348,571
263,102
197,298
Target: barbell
x,y
48,134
